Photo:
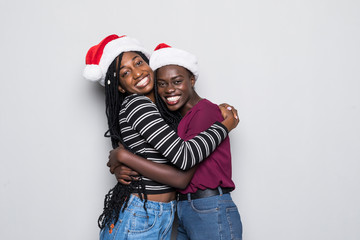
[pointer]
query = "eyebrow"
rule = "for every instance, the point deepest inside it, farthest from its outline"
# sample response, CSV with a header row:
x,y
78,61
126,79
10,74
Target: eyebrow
x,y
131,60
177,76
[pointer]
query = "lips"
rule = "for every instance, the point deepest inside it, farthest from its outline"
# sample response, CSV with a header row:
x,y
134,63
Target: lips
x,y
143,82
172,100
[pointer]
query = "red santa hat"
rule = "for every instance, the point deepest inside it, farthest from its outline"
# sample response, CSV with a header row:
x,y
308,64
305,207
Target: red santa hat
x,y
100,56
164,55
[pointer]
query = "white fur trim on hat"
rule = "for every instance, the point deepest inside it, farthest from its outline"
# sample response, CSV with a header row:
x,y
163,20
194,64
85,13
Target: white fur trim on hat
x,y
173,56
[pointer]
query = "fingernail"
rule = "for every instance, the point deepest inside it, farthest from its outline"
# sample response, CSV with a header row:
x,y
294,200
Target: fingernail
x,y
229,108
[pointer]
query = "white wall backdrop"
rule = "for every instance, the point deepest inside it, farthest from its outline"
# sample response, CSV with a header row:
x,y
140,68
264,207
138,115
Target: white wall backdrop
x,y
291,68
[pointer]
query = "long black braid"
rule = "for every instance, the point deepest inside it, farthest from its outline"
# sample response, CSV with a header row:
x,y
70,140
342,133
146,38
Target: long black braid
x,y
117,198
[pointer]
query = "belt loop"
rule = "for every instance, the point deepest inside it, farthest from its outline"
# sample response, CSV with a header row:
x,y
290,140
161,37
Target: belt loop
x,y
220,191
161,209
173,207
131,199
189,197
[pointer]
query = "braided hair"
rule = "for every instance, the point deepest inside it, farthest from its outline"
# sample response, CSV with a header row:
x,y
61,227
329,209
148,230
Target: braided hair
x,y
117,198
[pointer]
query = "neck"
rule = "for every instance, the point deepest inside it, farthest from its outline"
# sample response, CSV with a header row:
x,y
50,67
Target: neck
x,y
190,104
151,95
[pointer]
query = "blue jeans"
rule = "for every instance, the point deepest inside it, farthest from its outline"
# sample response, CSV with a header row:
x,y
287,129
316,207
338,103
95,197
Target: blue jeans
x,y
210,218
136,223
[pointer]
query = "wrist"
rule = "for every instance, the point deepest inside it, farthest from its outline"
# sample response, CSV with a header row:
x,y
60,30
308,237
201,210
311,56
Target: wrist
x,y
228,124
119,156
123,156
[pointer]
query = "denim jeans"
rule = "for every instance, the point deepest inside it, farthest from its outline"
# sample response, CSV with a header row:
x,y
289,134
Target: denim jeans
x,y
211,218
136,223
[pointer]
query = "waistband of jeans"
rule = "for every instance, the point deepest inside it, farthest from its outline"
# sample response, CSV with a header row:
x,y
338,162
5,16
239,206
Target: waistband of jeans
x,y
137,202
203,193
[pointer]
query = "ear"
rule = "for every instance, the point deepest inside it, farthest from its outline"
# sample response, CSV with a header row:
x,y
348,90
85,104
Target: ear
x,y
121,89
192,81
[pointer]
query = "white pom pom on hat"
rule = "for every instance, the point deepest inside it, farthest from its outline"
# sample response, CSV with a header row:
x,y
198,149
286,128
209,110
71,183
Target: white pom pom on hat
x,y
100,56
164,55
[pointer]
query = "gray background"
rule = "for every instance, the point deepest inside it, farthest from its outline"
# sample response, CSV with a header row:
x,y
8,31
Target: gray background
x,y
291,68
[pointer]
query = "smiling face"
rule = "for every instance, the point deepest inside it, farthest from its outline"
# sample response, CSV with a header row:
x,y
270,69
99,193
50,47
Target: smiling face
x,y
176,88
136,76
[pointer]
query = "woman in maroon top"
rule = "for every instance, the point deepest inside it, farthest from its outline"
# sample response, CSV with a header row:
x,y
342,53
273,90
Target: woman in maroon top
x,y
205,207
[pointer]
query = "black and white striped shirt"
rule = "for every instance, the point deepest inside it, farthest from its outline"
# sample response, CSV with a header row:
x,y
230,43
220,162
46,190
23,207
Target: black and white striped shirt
x,y
146,133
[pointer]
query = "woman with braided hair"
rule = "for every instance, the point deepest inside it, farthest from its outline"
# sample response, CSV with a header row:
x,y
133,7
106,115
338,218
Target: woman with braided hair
x,y
205,209
144,209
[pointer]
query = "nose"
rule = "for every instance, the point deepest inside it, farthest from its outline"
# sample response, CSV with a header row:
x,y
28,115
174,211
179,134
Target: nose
x,y
136,73
169,88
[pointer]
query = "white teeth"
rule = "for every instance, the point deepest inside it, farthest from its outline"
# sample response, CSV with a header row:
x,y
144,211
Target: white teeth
x,y
173,99
142,82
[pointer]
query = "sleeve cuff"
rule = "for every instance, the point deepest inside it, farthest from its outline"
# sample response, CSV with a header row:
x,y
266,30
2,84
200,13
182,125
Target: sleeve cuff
x,y
222,126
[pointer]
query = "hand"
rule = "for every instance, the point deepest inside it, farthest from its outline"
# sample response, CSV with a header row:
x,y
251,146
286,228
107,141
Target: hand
x,y
230,108
114,158
124,175
230,115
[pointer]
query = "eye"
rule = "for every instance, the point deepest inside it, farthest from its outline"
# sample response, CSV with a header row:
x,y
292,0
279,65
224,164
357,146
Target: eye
x,y
139,63
177,82
124,73
161,84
